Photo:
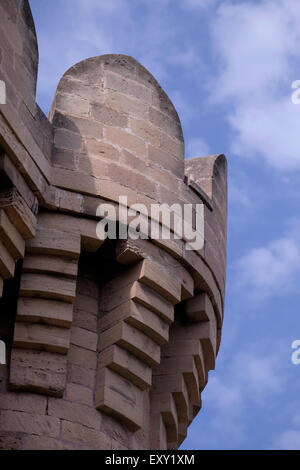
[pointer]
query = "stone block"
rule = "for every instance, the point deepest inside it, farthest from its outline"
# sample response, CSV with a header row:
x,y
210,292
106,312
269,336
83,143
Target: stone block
x,y
51,312
38,371
11,237
126,104
82,357
162,159
64,139
41,337
82,435
81,375
119,397
74,412
126,140
164,122
81,126
25,402
129,87
139,317
127,365
46,286
101,149
145,131
21,422
79,394
84,338
85,320
133,341
49,264
55,242
72,104
164,405
108,116
7,263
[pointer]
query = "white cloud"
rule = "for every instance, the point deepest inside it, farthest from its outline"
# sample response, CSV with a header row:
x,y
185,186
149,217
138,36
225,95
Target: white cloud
x,y
248,377
246,381
269,130
237,194
222,395
93,28
256,48
259,374
187,57
287,440
197,147
270,269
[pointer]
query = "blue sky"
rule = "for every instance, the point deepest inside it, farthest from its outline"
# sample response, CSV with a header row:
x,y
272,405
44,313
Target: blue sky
x,y
228,66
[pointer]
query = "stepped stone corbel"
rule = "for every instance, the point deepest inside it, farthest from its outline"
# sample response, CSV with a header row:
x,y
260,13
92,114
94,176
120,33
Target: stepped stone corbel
x,y
137,309
183,371
18,208
45,304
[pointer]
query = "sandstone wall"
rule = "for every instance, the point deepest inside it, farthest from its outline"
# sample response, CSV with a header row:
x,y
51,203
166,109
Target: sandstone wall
x,y
109,344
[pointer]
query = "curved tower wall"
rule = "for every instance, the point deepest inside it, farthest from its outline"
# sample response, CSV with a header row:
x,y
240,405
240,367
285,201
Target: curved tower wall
x,y
108,344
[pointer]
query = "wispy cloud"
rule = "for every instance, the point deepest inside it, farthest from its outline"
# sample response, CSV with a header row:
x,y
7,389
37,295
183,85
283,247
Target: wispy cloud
x,y
269,269
187,57
249,376
246,381
145,29
197,147
256,48
184,109
287,440
259,374
237,194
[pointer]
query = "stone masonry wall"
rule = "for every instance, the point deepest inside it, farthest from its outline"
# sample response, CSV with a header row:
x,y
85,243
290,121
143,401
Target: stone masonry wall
x,y
108,344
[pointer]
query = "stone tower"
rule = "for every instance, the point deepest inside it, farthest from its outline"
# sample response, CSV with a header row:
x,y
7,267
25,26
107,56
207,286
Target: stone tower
x,y
108,343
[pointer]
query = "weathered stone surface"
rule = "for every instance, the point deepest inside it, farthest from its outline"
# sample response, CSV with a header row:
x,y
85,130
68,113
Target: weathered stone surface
x,y
42,372
120,397
74,412
82,357
30,403
82,435
21,422
41,337
79,394
109,343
